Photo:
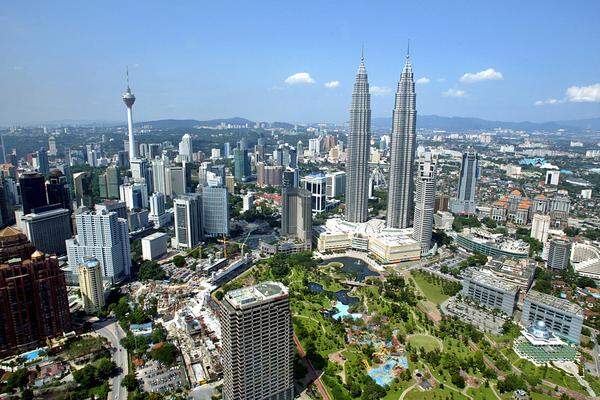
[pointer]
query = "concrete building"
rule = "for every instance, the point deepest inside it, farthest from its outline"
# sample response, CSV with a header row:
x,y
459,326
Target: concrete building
x,y
91,287
562,317
540,226
359,138
487,289
177,179
158,175
491,244
559,254
154,246
296,214
443,220
158,215
552,177
241,164
135,195
186,150
215,211
467,185
316,185
425,202
188,220
257,343
336,184
104,236
48,228
247,201
109,183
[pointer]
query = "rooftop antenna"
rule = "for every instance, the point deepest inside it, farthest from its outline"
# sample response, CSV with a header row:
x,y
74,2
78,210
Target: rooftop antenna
x,y
408,49
362,52
127,75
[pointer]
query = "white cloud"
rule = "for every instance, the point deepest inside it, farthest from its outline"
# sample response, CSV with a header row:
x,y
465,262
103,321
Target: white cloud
x,y
424,80
380,90
547,102
486,75
332,84
584,94
454,93
299,78
441,80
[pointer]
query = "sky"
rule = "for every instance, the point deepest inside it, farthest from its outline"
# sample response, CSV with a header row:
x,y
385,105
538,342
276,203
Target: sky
x,y
296,61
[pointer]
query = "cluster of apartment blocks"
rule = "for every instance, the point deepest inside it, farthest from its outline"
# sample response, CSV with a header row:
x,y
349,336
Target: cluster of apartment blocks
x,y
562,317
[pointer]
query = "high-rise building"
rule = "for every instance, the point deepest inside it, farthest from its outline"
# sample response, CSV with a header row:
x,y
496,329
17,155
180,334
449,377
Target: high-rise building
x,y
177,178
230,183
154,151
47,228
57,190
425,202
296,213
258,346
268,175
91,288
7,216
316,184
336,184
559,254
109,183
101,234
158,175
215,211
552,177
42,160
83,189
129,99
52,150
134,195
33,297
157,215
402,159
289,178
33,191
359,137
188,220
186,150
226,150
467,185
241,167
540,226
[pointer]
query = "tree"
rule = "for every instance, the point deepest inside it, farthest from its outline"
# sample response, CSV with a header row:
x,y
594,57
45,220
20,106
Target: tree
x,y
86,376
150,270
166,353
179,261
159,334
130,382
18,379
105,369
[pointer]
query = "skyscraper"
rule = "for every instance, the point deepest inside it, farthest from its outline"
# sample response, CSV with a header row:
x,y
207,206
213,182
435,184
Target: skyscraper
x,y
425,202
83,188
215,211
402,159
57,189
101,234
540,225
258,345
158,175
296,213
469,173
129,99
48,227
185,148
359,137
42,160
90,285
188,220
241,167
33,191
559,254
109,183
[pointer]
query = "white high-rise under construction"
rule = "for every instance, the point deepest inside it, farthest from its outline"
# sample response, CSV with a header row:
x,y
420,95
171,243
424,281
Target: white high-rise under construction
x,y
129,99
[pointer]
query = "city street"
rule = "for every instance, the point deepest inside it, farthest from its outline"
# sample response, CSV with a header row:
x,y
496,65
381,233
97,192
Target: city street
x,y
112,331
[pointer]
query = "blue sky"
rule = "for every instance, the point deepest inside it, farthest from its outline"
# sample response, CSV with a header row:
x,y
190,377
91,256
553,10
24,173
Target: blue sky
x,y
199,59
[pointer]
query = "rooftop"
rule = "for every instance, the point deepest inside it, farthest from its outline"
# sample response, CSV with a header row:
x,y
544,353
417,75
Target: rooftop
x,y
555,302
249,296
490,279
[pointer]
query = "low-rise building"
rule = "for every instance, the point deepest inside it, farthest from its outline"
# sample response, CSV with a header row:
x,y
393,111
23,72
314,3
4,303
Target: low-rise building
x,y
491,244
154,246
484,287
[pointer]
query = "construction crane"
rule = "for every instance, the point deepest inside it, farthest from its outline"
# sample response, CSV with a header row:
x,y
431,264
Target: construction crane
x,y
224,241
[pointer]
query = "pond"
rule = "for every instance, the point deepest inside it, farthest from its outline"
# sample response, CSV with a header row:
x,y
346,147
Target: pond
x,y
354,267
341,295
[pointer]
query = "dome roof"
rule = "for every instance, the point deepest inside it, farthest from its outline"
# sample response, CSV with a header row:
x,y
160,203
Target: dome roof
x,y
539,330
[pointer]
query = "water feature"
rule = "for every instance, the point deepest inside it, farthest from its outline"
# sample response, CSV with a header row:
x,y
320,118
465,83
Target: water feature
x,y
357,269
32,355
342,312
341,295
384,374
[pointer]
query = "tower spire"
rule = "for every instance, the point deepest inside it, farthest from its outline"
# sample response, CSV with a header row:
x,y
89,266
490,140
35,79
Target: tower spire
x,y
362,53
127,76
408,50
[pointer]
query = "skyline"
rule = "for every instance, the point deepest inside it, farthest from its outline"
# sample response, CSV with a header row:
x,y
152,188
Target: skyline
x,y
68,62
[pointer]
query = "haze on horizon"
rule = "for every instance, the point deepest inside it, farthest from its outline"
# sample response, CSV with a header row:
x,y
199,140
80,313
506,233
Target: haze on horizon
x,y
277,61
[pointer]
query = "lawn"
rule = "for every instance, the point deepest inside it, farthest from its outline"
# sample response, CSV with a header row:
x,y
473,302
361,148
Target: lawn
x,y
481,393
433,394
427,342
429,290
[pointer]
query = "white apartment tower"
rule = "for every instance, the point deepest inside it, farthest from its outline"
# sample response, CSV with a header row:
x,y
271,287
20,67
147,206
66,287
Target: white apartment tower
x,y
90,285
425,202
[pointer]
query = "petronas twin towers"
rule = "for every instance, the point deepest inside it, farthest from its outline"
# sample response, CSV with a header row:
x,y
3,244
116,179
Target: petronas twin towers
x,y
401,184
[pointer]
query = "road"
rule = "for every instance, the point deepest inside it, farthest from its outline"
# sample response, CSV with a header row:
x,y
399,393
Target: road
x,y
312,372
112,331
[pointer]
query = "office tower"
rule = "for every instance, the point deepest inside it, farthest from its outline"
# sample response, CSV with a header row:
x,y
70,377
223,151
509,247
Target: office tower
x,y
241,167
113,205
425,202
215,211
158,215
91,288
316,184
47,228
138,219
552,177
109,183
296,214
359,137
441,202
123,159
559,254
57,190
42,160
186,150
7,216
158,175
226,149
129,99
177,178
289,178
402,159
268,175
154,151
143,150
300,149
134,195
467,185
336,184
540,225
33,297
101,234
82,187
139,170
230,183
258,346
52,150
188,220
33,191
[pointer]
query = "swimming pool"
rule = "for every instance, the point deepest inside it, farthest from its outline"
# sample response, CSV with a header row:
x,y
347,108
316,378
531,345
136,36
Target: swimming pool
x,y
32,355
343,312
384,374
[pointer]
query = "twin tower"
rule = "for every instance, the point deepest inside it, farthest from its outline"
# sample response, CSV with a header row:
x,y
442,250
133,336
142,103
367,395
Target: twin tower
x,y
400,195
